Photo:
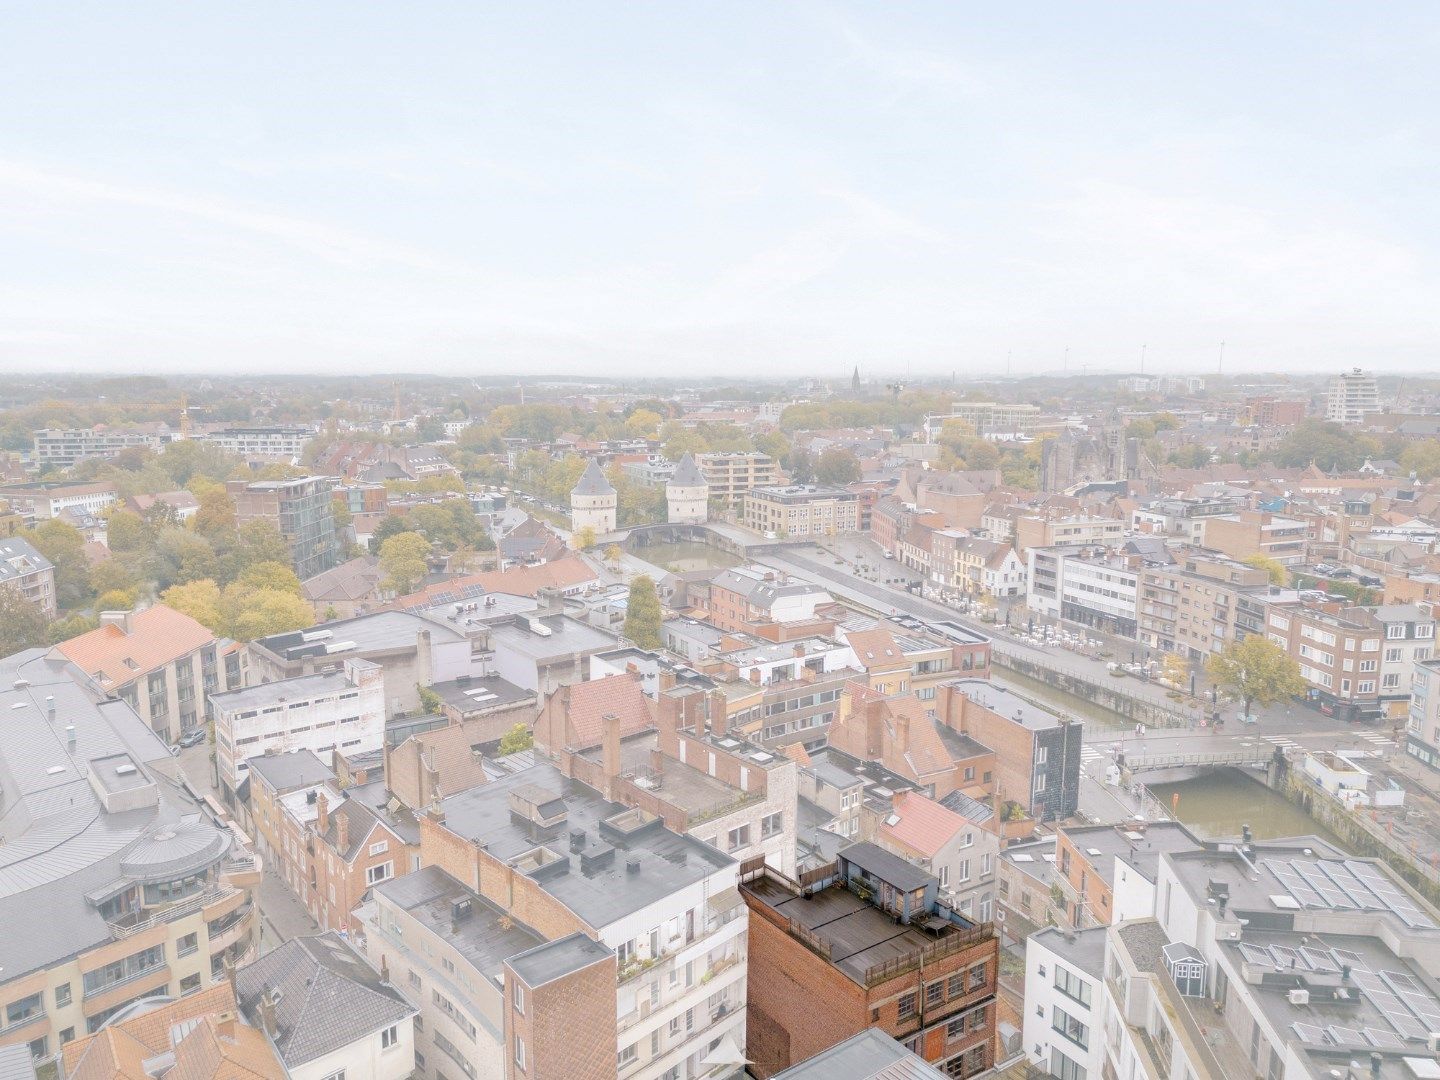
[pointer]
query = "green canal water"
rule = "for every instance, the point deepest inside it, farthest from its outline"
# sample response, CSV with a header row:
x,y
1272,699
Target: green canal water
x,y
1216,804
687,556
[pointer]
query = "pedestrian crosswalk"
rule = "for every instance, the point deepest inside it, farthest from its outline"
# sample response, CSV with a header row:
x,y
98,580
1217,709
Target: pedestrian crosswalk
x,y
1089,754
1281,741
1376,739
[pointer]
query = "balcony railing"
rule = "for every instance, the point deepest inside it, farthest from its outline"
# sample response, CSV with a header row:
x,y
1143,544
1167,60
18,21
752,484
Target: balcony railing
x,y
124,928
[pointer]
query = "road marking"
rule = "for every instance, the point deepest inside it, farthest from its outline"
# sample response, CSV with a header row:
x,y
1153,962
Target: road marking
x,y
1374,737
1280,741
1088,753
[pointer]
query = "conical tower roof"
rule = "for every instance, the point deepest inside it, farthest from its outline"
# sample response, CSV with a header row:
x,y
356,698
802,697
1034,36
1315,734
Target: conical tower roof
x,y
593,482
687,474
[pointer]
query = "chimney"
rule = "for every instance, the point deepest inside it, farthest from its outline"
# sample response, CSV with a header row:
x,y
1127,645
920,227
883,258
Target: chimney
x,y
225,1025
322,813
755,676
902,733
657,761
342,832
798,652
610,750
50,707
267,1014
384,969
665,680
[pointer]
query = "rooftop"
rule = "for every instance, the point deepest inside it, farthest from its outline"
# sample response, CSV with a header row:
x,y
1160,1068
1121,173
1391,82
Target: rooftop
x,y
1083,950
477,693
299,689
1007,704
377,632
870,1055
483,934
554,959
596,883
287,772
116,653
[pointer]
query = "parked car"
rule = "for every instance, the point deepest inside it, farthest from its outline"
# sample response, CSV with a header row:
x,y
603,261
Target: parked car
x,y
193,737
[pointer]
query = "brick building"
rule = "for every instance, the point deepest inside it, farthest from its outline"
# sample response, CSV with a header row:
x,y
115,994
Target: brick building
x,y
867,936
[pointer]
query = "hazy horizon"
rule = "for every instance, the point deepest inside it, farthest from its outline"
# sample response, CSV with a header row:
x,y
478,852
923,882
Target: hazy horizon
x,y
731,191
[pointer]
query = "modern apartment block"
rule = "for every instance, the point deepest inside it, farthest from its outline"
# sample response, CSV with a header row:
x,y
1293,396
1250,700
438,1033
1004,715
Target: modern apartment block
x,y
303,511
1352,397
60,448
730,476
261,443
115,885
1062,1030
1257,532
551,932
159,661
866,942
41,501
1422,732
1085,585
342,710
799,510
1040,530
1339,648
1199,603
989,419
25,570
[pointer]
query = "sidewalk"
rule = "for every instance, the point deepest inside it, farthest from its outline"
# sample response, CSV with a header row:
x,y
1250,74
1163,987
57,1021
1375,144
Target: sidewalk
x,y
282,916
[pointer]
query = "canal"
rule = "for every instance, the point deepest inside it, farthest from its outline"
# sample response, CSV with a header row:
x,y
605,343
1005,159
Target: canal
x,y
1092,715
685,556
1218,803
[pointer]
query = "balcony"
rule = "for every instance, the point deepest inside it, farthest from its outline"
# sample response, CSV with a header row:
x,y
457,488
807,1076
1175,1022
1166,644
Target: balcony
x,y
136,922
140,984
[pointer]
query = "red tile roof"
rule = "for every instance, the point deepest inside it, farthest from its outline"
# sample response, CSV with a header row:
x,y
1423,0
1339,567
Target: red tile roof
x,y
876,649
563,573
157,636
924,826
589,702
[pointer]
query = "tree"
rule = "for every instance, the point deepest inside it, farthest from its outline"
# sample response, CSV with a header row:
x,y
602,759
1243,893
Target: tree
x,y
1255,670
583,537
261,541
22,624
1190,456
201,600
69,627
255,613
402,557
1329,446
271,575
63,545
1174,670
837,465
1276,569
1422,459
430,701
642,423
216,517
518,738
125,531
613,554
642,613
115,600
391,526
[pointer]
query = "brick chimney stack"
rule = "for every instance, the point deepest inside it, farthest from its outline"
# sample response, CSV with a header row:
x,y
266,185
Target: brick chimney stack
x,y
322,813
342,831
610,751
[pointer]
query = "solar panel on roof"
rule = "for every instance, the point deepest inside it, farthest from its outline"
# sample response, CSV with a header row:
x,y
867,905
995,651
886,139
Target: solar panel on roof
x,y
1388,1039
1256,955
1294,884
1353,960
1309,1034
1316,879
1343,1036
1318,959
1286,957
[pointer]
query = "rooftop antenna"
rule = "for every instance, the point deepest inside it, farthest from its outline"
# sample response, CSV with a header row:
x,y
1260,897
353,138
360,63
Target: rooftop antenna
x,y
1220,366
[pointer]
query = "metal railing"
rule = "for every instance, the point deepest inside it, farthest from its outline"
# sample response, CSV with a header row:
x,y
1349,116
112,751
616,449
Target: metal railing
x,y
179,909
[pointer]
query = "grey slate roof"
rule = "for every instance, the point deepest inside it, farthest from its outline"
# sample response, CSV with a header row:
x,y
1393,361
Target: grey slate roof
x,y
57,844
328,997
18,557
887,867
687,474
593,481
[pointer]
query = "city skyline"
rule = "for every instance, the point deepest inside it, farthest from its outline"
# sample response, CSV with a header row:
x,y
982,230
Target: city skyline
x,y
580,191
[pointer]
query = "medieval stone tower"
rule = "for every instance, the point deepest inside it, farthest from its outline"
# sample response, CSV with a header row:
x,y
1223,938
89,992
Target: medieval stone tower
x,y
687,495
593,501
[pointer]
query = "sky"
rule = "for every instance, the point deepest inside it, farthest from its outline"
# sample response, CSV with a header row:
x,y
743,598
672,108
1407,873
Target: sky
x,y
736,189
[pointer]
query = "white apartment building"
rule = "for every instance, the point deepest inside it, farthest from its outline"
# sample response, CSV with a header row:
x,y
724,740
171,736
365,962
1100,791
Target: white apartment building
x,y
1063,973
665,907
1409,639
59,448
273,443
1352,397
44,501
1078,585
342,710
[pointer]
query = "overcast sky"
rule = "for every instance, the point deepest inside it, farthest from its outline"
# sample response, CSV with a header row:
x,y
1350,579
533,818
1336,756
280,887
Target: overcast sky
x,y
766,188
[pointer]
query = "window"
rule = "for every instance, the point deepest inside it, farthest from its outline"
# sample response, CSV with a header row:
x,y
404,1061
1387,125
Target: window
x,y
338,1074
187,944
628,1054
906,1007
67,1035
519,998
376,874
963,871
390,1037
62,993
27,1008
957,984
519,1053
1072,986
189,984
1063,1068
738,837
977,977
934,994
415,980
772,824
1392,656
944,876
1071,1028
380,848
